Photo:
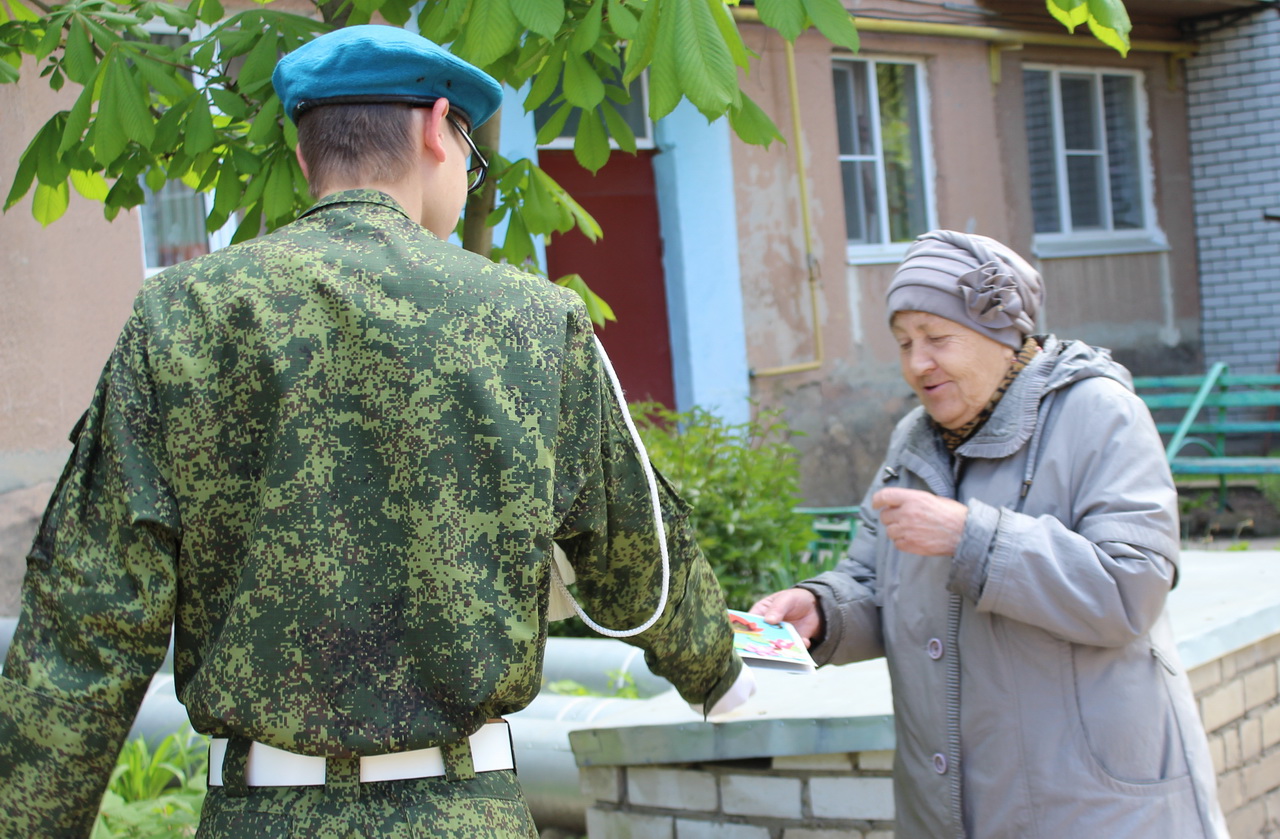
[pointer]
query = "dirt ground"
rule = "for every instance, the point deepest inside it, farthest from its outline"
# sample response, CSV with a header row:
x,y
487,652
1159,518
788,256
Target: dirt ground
x,y
1248,517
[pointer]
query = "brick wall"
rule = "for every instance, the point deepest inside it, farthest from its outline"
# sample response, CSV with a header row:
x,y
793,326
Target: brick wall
x,y
850,796
1239,698
1233,97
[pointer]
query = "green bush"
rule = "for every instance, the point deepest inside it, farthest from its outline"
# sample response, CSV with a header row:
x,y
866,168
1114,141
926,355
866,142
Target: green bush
x,y
741,481
155,794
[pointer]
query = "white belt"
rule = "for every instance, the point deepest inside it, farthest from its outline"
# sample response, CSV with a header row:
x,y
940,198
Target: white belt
x,y
272,767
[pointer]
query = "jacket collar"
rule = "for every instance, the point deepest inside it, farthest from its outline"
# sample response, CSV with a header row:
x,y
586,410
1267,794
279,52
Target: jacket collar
x,y
356,196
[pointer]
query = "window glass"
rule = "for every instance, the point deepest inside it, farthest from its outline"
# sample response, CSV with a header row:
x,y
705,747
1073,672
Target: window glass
x,y
1084,150
880,137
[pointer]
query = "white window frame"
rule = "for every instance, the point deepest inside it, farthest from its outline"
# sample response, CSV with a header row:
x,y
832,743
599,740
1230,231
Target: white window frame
x,y
565,141
1093,242
219,238
886,251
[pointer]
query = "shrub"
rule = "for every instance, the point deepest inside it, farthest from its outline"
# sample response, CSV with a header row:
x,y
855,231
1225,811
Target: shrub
x,y
741,481
155,794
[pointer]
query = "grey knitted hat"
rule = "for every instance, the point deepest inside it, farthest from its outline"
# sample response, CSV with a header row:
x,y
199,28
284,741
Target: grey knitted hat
x,y
972,280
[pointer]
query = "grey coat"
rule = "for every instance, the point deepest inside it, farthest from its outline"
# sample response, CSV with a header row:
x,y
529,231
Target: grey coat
x,y
1037,689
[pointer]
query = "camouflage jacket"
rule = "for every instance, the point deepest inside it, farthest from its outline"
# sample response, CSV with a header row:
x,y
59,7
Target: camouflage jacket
x,y
333,460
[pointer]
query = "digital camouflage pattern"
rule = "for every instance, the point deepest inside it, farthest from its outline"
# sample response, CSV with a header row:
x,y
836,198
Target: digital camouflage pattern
x,y
334,459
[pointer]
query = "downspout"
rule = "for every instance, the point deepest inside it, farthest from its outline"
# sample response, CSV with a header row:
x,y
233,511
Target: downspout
x,y
806,221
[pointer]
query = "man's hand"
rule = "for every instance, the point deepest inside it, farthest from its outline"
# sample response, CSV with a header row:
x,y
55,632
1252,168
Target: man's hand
x,y
797,607
920,522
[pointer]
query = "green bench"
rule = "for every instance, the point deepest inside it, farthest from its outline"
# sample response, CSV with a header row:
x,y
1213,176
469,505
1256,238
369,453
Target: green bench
x,y
1201,415
833,530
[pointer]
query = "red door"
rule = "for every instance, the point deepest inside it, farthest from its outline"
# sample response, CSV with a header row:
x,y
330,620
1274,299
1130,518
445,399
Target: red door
x,y
624,266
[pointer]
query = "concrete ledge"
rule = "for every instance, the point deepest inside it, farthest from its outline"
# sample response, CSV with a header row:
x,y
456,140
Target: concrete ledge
x,y
1224,601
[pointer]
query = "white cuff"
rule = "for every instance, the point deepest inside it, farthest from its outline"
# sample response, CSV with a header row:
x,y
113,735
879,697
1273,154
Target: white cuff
x,y
744,687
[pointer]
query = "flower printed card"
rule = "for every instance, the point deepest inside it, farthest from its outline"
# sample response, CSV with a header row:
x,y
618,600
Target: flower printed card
x,y
775,646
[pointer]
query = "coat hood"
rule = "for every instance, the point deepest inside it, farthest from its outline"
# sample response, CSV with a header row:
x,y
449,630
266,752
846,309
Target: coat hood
x,y
1058,365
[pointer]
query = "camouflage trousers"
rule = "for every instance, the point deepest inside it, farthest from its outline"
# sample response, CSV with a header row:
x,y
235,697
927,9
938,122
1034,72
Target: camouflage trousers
x,y
489,805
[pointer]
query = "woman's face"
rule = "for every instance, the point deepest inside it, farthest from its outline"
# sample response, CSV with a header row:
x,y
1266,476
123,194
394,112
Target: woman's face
x,y
953,369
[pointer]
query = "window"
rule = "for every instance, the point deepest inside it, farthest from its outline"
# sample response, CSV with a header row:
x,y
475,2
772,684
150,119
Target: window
x,y
1090,189
881,127
173,219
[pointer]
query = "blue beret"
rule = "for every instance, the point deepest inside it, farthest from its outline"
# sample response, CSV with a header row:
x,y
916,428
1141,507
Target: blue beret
x,y
377,64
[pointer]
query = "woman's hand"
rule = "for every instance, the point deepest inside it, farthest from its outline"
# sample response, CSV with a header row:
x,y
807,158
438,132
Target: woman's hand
x,y
920,522
797,607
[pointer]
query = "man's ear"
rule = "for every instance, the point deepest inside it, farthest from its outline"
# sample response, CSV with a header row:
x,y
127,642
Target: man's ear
x,y
434,129
302,161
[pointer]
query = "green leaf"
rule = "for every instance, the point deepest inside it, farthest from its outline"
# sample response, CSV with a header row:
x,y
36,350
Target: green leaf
x,y
169,81
122,113
50,202
582,85
599,311
226,197
156,178
587,33
517,247
278,197
256,72
622,20
8,73
729,32
439,19
90,184
1109,23
198,127
541,16
833,21
50,167
77,120
174,16
664,82
21,12
170,125
642,48
544,82
1070,13
26,169
229,103
266,125
552,127
591,146
79,61
47,44
211,12
786,16
703,65
618,128
249,225
752,124
491,32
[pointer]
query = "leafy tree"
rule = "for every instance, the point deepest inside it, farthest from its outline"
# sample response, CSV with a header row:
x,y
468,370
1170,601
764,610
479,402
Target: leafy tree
x,y
203,111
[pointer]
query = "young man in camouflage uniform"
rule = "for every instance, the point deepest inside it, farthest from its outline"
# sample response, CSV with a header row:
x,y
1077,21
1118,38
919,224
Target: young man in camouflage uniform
x,y
336,460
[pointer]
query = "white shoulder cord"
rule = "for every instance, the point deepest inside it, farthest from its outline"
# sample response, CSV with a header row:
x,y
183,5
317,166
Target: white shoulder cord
x,y
657,522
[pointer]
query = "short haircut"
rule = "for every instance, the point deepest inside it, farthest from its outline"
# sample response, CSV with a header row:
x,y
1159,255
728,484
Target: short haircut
x,y
356,143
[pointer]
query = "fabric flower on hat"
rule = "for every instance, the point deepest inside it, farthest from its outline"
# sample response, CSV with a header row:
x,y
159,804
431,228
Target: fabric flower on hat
x,y
991,294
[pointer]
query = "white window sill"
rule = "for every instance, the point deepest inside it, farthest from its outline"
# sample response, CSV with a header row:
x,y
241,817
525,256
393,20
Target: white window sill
x,y
1066,247
877,254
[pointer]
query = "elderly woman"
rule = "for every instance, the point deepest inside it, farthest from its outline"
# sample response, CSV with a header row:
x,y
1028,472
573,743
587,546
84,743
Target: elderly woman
x,y
1014,556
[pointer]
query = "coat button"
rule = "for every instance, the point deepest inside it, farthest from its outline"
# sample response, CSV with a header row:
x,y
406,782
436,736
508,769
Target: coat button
x,y
935,649
940,763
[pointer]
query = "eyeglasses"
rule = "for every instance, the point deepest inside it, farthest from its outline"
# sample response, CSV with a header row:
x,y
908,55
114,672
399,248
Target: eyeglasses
x,y
476,173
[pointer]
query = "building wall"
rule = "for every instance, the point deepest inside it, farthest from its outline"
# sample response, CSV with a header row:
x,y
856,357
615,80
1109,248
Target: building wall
x,y
1144,306
67,290
1234,111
